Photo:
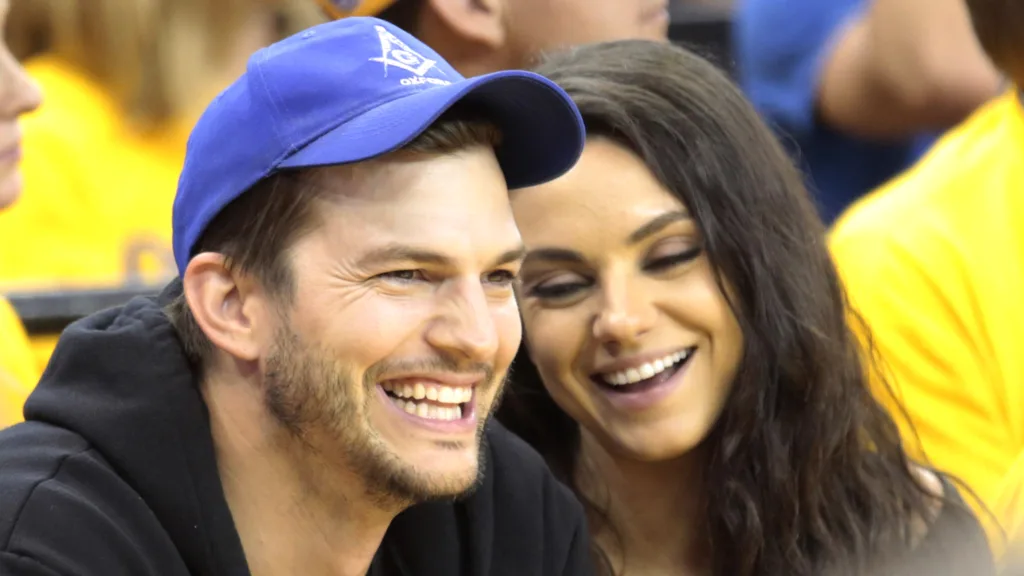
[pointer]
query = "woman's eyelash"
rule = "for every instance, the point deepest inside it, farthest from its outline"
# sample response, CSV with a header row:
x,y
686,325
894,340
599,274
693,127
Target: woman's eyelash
x,y
557,290
674,259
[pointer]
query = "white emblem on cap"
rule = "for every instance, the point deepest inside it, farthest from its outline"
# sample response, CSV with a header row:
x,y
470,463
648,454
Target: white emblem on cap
x,y
394,52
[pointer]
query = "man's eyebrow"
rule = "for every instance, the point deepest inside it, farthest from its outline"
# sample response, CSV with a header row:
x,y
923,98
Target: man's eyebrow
x,y
509,256
406,253
403,253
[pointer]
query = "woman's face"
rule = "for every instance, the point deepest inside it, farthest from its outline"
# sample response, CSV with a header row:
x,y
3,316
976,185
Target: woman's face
x,y
624,319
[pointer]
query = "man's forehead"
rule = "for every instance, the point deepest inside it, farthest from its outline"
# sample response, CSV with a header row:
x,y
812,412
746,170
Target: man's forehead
x,y
445,204
425,216
458,226
395,238
401,175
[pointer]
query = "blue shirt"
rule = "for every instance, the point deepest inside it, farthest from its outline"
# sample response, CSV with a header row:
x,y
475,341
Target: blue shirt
x,y
780,47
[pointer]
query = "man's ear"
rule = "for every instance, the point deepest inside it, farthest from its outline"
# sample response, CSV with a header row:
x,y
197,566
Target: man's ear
x,y
478,21
228,307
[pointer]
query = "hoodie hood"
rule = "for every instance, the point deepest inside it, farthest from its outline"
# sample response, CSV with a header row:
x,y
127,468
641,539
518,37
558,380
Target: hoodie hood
x,y
120,380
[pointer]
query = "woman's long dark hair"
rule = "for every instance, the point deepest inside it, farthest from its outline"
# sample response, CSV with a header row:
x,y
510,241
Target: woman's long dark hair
x,y
805,471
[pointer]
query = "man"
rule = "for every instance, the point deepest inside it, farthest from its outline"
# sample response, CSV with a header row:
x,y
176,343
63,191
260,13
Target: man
x,y
860,87
333,350
934,262
486,35
18,96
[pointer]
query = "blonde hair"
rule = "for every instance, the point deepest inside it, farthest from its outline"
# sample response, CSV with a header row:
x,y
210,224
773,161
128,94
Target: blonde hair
x,y
143,51
25,34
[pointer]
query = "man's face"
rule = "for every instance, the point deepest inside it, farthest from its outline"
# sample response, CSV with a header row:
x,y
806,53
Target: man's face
x,y
403,323
537,26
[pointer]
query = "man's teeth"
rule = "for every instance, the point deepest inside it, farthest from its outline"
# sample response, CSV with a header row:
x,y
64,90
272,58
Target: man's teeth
x,y
427,400
437,393
644,371
429,411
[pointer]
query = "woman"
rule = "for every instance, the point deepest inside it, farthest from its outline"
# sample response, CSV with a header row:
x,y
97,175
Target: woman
x,y
18,96
687,367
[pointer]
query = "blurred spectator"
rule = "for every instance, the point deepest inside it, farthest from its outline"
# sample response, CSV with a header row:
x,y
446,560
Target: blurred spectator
x,y
934,262
18,95
1010,504
858,88
481,37
125,80
707,3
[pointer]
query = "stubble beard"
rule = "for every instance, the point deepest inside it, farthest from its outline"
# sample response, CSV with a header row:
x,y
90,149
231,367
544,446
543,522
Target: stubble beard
x,y
313,398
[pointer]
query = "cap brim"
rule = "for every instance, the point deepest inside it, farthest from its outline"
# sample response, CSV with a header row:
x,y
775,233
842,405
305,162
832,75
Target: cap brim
x,y
542,131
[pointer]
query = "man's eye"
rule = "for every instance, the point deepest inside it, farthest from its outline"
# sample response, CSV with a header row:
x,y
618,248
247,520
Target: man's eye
x,y
501,277
403,276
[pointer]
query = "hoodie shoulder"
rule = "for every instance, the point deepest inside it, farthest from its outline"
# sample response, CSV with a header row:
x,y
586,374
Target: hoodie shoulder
x,y
64,510
528,499
515,462
519,520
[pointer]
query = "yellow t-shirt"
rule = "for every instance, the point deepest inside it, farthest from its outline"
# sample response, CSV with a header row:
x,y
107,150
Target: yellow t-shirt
x,y
95,189
18,372
97,194
934,262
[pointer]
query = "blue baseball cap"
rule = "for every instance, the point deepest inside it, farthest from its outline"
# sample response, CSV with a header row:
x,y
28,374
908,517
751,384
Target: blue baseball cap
x,y
348,91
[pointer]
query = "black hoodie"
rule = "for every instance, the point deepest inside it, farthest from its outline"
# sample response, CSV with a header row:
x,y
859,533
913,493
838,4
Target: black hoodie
x,y
113,473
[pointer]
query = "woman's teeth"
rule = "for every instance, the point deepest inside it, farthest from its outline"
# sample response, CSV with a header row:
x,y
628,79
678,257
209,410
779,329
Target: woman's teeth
x,y
646,370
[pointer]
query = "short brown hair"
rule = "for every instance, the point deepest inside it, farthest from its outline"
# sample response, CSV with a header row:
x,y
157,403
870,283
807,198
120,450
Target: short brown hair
x,y
254,232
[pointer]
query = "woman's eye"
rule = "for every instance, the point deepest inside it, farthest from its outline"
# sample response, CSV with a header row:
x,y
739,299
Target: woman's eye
x,y
670,260
561,286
